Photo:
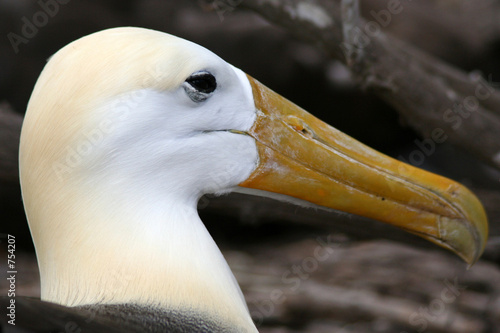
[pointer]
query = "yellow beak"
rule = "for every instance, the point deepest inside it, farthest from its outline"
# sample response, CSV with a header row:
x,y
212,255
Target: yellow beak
x,y
303,157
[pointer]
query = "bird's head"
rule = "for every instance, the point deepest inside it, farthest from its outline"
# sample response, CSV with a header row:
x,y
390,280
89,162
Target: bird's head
x,y
140,108
129,118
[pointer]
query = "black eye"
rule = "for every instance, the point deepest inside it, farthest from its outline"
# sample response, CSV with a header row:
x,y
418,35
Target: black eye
x,y
199,86
203,82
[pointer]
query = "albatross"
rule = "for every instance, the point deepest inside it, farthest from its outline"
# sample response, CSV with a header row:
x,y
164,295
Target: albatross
x,y
127,128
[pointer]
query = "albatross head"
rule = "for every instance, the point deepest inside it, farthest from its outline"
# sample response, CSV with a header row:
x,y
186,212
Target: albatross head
x,y
128,127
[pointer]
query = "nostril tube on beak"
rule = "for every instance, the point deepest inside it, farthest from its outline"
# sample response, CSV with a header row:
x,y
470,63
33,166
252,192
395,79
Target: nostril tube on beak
x,y
299,125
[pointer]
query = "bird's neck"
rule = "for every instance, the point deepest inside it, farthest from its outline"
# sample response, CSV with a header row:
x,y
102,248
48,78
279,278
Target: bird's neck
x,y
153,254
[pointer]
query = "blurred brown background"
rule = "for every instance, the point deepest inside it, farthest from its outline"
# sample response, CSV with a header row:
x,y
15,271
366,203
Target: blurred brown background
x,y
373,278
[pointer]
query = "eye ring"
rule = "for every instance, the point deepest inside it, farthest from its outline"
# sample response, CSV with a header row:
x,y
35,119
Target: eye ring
x,y
200,85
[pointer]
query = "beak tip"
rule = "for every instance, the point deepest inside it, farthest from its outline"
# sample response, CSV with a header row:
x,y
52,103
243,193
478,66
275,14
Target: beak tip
x,y
466,237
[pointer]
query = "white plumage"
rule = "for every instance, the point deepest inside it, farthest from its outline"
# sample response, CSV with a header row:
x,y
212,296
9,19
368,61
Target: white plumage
x,y
119,165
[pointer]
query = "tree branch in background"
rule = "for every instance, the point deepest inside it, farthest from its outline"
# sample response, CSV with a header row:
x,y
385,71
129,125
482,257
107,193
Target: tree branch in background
x,y
440,102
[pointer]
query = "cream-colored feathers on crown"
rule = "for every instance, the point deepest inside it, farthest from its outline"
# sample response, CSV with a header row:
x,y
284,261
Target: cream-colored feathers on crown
x,y
114,156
